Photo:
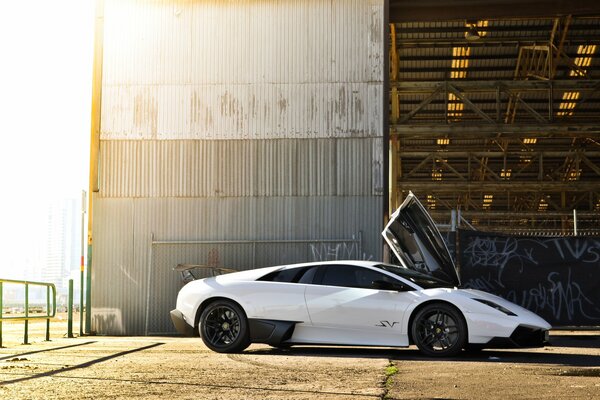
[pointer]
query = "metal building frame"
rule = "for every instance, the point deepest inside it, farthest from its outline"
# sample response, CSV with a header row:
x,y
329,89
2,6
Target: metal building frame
x,y
504,127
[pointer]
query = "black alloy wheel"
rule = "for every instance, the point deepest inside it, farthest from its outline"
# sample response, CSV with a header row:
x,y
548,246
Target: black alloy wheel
x,y
224,328
439,330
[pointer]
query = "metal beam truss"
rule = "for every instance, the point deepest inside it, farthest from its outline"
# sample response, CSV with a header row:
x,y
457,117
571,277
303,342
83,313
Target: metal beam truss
x,y
540,161
485,105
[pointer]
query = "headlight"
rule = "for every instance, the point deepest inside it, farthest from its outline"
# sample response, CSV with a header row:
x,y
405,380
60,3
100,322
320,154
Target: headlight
x,y
496,306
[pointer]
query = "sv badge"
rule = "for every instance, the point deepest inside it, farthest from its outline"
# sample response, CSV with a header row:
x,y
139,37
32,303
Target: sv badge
x,y
387,324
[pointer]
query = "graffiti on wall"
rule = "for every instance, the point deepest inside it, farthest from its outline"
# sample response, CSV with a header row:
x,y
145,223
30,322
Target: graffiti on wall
x,y
338,251
557,278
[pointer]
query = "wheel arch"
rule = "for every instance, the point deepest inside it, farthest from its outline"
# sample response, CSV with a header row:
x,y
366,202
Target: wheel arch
x,y
418,308
206,302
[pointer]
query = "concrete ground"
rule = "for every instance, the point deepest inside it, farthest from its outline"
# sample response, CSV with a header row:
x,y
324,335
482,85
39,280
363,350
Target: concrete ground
x,y
167,367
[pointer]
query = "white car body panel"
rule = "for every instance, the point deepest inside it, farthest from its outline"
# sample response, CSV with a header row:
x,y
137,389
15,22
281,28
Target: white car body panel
x,y
345,313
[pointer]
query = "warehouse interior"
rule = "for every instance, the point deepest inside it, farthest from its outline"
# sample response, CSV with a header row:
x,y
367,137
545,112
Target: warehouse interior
x,y
497,116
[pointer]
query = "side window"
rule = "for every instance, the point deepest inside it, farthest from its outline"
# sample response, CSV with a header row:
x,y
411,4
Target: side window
x,y
284,275
352,276
308,276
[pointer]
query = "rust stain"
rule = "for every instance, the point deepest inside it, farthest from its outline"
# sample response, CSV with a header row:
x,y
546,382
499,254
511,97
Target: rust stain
x,y
253,106
282,103
233,109
145,113
201,118
342,101
376,27
194,108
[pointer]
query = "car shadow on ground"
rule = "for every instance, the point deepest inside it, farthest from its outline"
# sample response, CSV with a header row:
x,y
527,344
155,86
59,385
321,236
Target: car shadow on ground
x,y
539,356
587,341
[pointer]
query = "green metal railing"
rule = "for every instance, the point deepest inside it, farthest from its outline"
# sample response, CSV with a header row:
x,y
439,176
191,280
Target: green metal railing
x,y
50,307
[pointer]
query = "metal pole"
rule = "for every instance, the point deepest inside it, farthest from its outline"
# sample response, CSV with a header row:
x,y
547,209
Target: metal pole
x,y
360,243
25,334
82,263
88,303
453,220
70,311
48,313
94,149
575,222
148,283
1,309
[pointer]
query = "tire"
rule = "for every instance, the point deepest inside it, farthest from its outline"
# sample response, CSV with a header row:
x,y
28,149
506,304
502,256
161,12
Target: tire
x,y
224,327
439,330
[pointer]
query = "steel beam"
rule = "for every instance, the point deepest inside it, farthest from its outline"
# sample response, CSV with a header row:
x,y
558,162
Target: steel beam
x,y
491,85
444,10
591,130
468,103
497,186
495,154
513,214
483,42
516,26
422,105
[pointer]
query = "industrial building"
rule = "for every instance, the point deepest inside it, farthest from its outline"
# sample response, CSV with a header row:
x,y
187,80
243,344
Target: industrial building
x,y
244,134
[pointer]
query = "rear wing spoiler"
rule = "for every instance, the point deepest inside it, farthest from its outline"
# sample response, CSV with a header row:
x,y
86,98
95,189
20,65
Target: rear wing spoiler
x,y
187,271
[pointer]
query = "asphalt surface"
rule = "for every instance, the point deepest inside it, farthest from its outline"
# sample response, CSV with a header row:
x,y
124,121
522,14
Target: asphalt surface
x,y
169,367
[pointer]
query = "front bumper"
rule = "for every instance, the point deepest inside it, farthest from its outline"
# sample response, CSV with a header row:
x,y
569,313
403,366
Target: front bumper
x,y
182,327
522,336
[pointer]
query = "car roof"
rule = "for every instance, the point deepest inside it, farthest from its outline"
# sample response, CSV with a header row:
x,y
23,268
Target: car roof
x,y
356,263
253,274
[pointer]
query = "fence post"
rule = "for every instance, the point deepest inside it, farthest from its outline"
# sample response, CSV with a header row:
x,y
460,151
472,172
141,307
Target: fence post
x,y
1,310
82,266
25,334
48,313
70,311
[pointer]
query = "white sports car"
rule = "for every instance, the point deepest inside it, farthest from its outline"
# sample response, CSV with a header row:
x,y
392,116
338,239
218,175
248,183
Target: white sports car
x,y
358,302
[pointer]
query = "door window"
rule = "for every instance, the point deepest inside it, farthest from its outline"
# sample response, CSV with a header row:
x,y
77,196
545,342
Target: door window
x,y
353,276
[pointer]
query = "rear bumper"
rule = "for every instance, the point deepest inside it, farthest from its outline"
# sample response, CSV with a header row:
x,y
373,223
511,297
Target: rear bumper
x,y
182,327
522,336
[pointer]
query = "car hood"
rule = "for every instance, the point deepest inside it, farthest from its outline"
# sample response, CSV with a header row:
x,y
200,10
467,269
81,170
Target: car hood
x,y
417,243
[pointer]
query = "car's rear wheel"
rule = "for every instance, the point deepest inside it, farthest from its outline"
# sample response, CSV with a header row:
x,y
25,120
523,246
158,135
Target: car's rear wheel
x,y
439,330
224,327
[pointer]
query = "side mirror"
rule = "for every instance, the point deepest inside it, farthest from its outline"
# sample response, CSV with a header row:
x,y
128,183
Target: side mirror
x,y
386,285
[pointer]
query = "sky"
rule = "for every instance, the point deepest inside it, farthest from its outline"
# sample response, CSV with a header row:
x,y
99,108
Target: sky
x,y
46,55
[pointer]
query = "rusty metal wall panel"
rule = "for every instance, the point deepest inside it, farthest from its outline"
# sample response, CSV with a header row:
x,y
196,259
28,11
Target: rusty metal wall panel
x,y
240,168
123,269
216,70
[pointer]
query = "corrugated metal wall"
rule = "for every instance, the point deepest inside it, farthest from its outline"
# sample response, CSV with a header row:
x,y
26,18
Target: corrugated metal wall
x,y
124,270
226,168
243,69
224,120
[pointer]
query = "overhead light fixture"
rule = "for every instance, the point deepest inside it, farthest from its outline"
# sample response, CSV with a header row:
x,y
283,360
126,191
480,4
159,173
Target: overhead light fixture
x,y
471,34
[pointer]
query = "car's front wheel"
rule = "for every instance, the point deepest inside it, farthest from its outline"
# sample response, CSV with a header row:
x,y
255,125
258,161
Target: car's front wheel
x,y
224,327
439,330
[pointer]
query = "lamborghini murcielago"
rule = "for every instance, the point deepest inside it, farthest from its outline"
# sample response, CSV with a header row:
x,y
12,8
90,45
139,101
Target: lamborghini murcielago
x,y
360,303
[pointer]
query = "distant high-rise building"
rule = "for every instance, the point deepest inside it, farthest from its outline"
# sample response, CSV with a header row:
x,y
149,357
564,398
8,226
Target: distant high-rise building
x,y
62,242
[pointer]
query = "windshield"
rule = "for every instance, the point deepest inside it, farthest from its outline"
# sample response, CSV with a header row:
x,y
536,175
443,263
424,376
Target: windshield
x,y
422,280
